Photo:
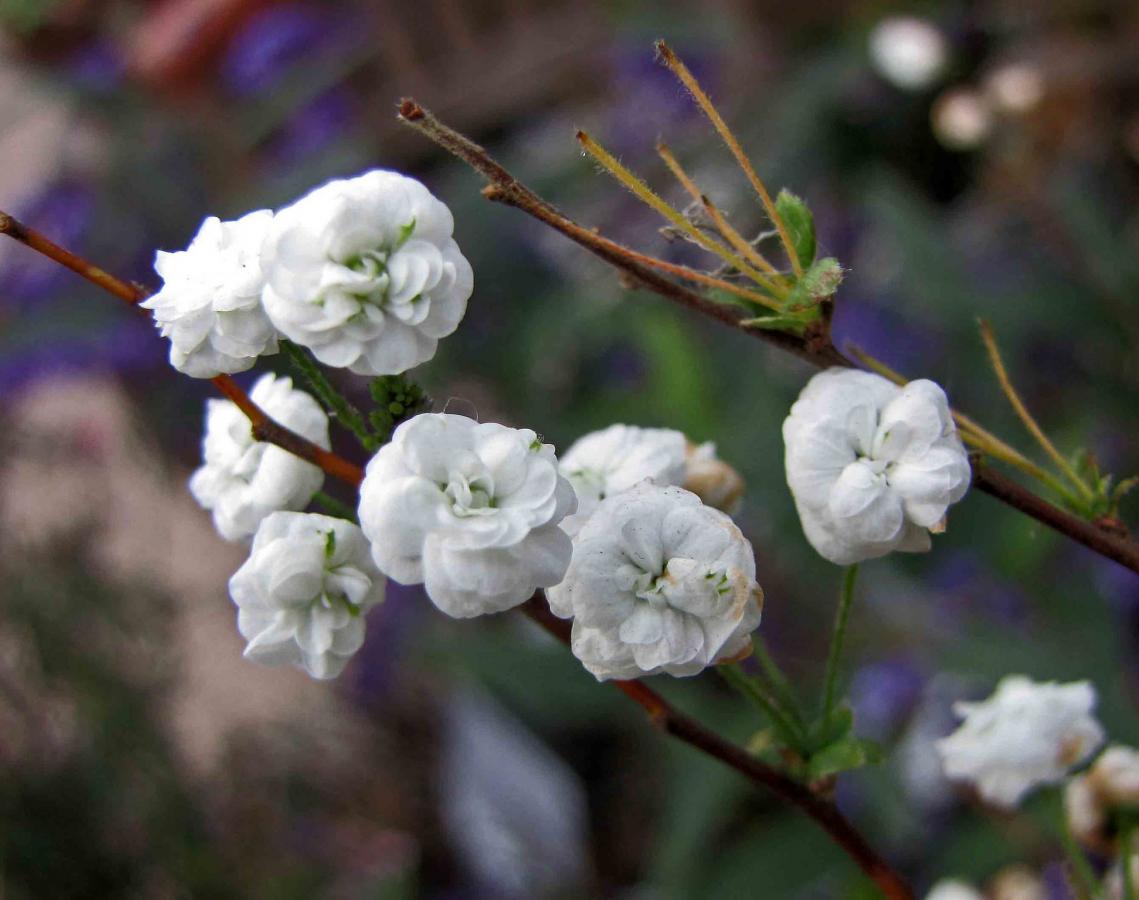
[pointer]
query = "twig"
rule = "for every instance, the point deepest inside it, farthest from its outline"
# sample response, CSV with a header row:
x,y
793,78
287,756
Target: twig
x,y
263,426
683,727
680,70
505,188
1024,415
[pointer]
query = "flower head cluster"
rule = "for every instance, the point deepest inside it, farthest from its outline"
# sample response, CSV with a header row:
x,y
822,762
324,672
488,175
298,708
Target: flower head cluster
x,y
873,467
210,302
1092,799
607,462
470,510
242,480
364,272
1025,735
658,583
302,594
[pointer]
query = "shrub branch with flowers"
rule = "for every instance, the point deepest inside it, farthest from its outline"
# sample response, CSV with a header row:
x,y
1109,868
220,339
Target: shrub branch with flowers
x,y
624,546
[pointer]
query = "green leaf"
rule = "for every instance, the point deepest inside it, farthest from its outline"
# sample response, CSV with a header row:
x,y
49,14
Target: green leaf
x,y
776,323
800,225
849,752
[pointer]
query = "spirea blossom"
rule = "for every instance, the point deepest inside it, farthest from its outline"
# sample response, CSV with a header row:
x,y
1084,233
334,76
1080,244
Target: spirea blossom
x,y
242,480
614,459
1025,735
210,302
873,467
659,582
302,594
364,272
470,510
1092,798
952,889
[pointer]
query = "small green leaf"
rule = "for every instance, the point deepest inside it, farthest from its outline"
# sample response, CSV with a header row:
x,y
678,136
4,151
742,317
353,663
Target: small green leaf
x,y
776,323
821,280
849,752
800,224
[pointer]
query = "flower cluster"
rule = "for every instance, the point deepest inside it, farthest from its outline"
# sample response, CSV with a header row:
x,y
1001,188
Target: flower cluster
x,y
363,271
873,467
302,594
243,480
1025,735
659,582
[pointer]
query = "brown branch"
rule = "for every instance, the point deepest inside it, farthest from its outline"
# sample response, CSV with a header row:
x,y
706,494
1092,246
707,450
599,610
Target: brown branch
x,y
817,350
684,728
264,427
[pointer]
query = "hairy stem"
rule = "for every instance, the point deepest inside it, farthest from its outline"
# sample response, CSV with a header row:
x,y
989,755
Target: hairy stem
x,y
1024,415
834,656
791,732
336,403
680,70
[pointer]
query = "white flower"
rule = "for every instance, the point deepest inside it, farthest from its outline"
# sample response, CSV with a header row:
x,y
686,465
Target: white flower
x,y
872,466
210,302
952,889
908,52
607,462
1026,734
242,480
302,594
470,510
1090,799
364,272
658,583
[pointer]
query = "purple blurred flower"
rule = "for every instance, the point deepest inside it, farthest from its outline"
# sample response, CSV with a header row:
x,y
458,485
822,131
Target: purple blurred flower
x,y
883,695
63,211
882,331
390,628
272,42
968,588
647,99
97,66
314,126
128,346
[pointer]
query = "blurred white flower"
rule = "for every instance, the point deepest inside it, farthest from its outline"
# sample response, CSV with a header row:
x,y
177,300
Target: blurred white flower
x,y
1091,798
364,272
952,889
1017,882
470,510
302,594
961,119
908,52
659,582
242,480
210,302
614,459
1015,88
1025,735
873,467
711,479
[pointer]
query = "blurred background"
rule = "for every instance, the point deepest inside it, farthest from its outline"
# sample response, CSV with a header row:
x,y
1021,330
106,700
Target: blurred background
x,y
962,160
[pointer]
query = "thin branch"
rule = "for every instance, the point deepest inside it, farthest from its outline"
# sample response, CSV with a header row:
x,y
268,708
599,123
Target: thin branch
x,y
818,351
666,717
263,426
